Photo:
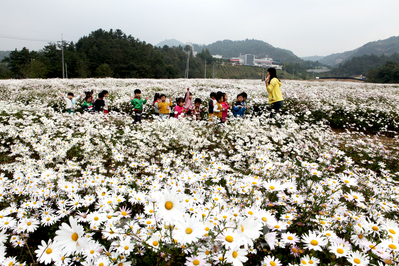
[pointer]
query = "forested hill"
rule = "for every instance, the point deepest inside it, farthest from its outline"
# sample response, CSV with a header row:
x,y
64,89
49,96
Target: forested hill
x,y
260,49
388,47
361,65
104,54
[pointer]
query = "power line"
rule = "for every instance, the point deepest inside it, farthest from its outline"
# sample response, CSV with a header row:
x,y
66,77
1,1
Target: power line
x,y
23,38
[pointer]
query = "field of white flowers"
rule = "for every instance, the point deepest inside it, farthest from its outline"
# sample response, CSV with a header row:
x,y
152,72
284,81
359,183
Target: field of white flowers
x,y
87,189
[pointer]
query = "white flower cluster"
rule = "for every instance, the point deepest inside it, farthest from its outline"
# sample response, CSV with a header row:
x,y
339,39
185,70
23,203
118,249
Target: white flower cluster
x,y
91,190
359,106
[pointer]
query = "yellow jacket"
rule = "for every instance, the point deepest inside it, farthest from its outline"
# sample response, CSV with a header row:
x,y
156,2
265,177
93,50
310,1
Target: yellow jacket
x,y
163,107
218,111
274,90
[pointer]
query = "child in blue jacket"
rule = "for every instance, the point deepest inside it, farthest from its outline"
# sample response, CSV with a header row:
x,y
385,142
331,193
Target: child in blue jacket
x,y
239,107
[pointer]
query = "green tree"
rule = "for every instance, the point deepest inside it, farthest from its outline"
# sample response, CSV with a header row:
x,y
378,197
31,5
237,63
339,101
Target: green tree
x,y
17,61
104,71
389,73
35,69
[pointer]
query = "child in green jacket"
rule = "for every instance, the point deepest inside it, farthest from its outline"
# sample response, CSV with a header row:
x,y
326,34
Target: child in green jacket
x,y
137,103
88,105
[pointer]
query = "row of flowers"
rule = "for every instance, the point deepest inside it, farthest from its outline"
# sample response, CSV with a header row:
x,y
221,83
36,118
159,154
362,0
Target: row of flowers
x,y
362,107
97,190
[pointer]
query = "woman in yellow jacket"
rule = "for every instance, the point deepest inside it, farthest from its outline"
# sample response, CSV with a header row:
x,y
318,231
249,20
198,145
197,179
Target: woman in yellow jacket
x,y
273,85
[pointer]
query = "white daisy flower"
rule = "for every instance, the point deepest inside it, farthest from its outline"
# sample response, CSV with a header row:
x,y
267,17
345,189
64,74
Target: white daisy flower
x,y
70,238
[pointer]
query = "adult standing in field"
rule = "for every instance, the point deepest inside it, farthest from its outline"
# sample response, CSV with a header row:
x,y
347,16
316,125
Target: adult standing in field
x,y
273,85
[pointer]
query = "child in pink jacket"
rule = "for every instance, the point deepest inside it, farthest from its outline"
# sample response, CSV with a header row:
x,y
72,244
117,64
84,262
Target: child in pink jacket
x,y
188,102
226,107
180,110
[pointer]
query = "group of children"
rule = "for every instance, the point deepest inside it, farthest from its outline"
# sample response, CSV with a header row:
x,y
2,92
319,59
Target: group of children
x,y
185,107
218,106
89,105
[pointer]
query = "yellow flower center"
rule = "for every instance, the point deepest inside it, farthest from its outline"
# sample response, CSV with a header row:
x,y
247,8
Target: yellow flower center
x,y
91,251
264,219
229,239
392,231
290,238
101,264
49,251
235,254
273,263
189,231
168,205
357,261
272,187
75,237
311,262
242,228
126,247
196,262
29,223
392,246
303,262
155,243
124,213
340,251
95,218
314,242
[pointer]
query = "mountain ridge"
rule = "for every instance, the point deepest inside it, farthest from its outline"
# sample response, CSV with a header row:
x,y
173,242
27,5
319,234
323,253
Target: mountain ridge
x,y
386,46
170,43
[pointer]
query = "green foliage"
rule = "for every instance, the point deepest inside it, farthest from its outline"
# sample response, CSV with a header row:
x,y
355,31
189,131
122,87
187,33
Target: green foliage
x,y
388,47
17,61
362,65
103,71
389,73
35,69
104,54
260,49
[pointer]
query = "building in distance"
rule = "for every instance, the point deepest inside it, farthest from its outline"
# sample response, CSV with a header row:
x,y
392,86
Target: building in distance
x,y
251,60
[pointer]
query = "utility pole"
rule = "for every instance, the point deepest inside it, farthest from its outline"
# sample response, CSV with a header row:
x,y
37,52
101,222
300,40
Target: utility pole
x,y
205,70
263,76
294,72
66,70
188,50
214,70
62,49
62,52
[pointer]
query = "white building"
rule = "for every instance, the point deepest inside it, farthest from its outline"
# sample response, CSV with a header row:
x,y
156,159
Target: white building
x,y
251,60
217,56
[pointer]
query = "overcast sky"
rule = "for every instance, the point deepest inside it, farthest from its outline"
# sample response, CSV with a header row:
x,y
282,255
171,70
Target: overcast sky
x,y
306,27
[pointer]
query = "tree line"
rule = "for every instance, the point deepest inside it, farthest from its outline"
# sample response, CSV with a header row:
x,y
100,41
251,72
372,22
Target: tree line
x,y
105,54
377,68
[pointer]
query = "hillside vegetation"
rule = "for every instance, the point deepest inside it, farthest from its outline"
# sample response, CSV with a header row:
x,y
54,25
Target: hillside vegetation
x,y
104,54
260,49
362,65
388,47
